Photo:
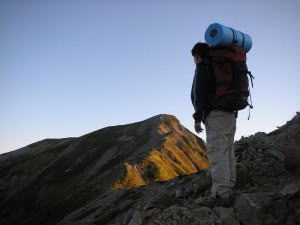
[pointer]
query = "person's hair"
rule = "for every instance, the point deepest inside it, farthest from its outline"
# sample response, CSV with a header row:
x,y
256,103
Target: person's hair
x,y
200,49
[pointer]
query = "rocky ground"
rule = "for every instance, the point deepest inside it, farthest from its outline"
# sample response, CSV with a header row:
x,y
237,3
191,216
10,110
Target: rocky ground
x,y
267,191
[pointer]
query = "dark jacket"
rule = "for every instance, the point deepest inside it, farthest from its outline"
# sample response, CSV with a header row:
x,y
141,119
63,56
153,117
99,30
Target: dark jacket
x,y
201,92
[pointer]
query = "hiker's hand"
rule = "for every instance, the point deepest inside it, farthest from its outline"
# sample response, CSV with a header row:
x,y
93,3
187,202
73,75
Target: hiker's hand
x,y
198,127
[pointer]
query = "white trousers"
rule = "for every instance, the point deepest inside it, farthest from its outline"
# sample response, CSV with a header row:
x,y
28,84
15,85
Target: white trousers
x,y
220,130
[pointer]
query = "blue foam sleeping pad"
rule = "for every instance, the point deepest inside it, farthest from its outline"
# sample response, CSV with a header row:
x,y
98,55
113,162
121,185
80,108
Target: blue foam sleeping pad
x,y
219,35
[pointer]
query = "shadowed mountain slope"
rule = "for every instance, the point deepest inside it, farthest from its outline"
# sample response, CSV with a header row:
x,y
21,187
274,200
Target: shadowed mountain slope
x,y
45,181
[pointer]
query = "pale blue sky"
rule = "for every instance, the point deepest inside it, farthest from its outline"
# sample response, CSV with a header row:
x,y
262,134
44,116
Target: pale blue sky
x,y
71,67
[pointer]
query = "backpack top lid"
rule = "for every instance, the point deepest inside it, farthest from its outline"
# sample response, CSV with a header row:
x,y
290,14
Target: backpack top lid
x,y
232,53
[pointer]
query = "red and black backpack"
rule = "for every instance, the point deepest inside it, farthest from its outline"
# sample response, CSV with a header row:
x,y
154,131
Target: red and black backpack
x,y
230,76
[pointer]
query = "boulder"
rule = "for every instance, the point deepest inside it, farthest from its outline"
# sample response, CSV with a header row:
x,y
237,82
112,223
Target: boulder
x,y
251,208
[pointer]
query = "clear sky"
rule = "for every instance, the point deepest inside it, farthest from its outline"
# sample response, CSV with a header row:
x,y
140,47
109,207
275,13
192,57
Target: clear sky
x,y
69,67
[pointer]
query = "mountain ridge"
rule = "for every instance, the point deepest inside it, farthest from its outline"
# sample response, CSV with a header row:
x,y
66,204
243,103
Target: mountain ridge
x,y
50,175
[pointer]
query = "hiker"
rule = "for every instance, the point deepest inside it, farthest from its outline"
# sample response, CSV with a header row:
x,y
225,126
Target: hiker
x,y
220,125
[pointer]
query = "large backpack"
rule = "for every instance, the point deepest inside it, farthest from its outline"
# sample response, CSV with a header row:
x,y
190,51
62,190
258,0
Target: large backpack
x,y
230,76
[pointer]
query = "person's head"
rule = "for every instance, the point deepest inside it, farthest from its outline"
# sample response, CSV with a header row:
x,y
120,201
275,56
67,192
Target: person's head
x,y
200,51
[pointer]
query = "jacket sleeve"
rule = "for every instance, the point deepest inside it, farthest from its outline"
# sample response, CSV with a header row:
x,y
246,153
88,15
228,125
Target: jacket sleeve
x,y
199,93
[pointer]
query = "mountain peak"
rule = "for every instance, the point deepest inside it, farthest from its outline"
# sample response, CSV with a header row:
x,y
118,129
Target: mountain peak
x,y
176,152
167,117
161,118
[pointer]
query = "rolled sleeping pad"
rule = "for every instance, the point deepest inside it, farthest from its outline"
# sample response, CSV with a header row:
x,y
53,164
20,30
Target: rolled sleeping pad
x,y
219,35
